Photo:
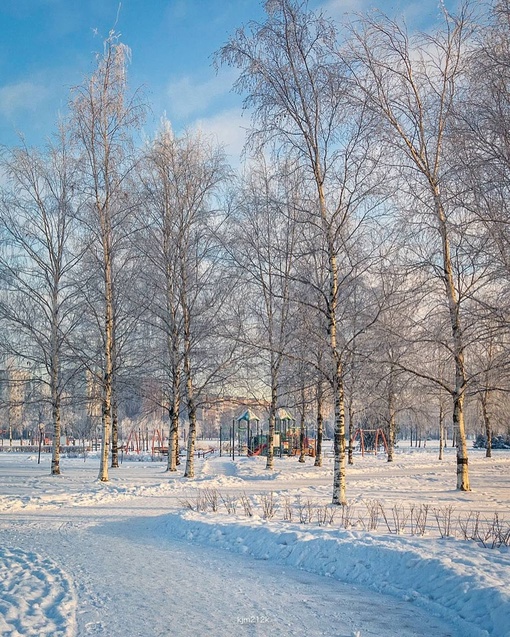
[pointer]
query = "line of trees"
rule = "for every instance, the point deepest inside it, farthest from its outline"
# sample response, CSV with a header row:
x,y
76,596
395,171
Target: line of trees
x,y
360,259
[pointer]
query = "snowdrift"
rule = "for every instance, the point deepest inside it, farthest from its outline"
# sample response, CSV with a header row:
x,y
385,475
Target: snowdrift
x,y
449,578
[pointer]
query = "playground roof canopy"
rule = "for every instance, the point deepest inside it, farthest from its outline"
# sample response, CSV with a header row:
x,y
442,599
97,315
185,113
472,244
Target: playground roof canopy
x,y
248,415
283,414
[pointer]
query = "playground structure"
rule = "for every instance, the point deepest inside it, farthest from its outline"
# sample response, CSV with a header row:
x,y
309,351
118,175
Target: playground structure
x,y
370,440
239,437
247,439
288,435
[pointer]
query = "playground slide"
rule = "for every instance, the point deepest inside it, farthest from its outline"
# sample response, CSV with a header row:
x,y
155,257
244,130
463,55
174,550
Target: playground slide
x,y
258,450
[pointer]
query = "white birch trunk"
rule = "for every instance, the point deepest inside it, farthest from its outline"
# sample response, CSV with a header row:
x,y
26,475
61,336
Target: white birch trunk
x,y
175,402
302,451
54,389
350,449
189,471
270,437
487,423
320,423
175,371
115,433
391,419
458,349
173,440
441,431
106,417
55,409
339,492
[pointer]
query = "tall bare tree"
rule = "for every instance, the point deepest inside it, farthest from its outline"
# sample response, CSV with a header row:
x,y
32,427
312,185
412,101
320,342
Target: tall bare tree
x,y
40,251
104,119
263,248
159,240
185,176
411,83
300,105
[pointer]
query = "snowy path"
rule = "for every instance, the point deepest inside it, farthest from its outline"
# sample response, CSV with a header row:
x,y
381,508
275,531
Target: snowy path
x,y
79,558
128,583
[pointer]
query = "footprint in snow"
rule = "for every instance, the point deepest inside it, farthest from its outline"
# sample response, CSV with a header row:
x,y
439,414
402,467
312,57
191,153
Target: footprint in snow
x,y
37,598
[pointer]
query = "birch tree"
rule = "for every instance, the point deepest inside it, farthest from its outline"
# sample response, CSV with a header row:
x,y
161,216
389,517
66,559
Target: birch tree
x,y
482,133
158,242
185,222
411,83
40,252
299,100
104,119
310,294
483,125
263,248
489,368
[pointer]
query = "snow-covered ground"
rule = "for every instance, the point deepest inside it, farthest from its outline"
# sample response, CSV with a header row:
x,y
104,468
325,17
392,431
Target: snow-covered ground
x,y
240,551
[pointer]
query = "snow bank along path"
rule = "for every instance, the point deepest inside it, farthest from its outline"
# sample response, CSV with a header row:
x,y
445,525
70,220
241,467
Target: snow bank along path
x,y
456,583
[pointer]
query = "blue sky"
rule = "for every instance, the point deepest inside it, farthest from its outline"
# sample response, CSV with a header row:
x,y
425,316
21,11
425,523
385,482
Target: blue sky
x,y
48,46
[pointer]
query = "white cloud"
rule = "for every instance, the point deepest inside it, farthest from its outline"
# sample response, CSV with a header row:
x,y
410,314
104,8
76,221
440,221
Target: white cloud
x,y
228,129
22,96
189,96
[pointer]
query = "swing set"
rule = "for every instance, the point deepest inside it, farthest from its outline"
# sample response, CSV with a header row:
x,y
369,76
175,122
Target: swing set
x,y
137,442
370,440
